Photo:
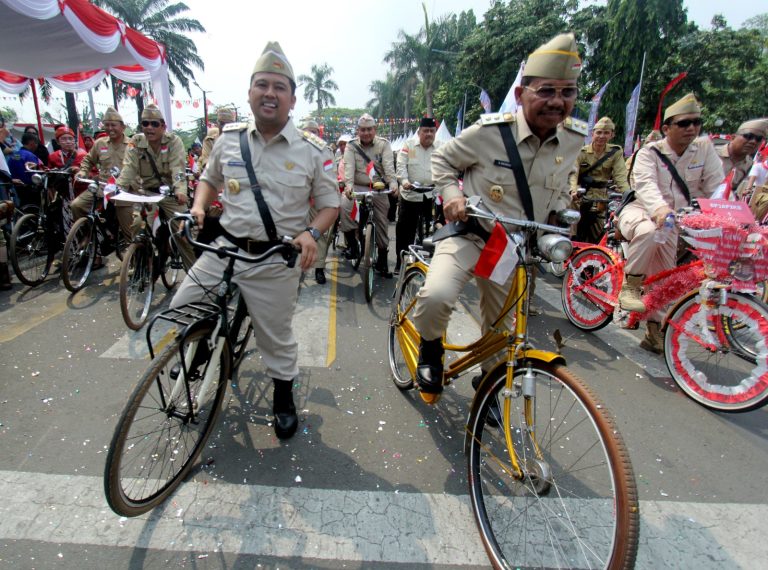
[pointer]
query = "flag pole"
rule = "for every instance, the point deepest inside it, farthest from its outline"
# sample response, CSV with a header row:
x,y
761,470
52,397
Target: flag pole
x,y
37,111
464,111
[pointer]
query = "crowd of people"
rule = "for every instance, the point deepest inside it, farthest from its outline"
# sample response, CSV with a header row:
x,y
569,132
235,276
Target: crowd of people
x,y
270,178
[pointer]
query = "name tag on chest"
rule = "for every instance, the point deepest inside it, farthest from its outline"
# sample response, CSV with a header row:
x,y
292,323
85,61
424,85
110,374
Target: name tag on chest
x,y
502,163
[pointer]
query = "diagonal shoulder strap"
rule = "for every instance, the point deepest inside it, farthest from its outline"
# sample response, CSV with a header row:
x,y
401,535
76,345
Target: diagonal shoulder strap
x,y
154,166
365,156
517,168
675,174
600,161
266,217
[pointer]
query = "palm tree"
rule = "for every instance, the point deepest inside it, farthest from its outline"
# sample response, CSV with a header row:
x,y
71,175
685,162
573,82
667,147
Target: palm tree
x,y
161,21
318,86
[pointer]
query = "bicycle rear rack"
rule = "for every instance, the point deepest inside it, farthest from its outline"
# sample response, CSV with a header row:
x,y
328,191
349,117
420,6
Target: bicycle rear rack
x,y
186,316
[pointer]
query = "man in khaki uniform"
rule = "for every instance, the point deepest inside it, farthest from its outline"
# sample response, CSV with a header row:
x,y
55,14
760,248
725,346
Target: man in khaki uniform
x,y
310,126
106,153
657,195
548,142
223,116
292,168
156,158
414,164
379,151
737,154
599,164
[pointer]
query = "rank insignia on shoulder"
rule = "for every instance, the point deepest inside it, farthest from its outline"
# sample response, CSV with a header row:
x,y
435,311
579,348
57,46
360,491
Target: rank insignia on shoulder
x,y
576,125
313,139
496,118
234,127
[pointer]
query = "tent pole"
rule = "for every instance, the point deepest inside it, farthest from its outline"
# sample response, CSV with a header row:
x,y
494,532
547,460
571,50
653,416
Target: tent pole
x,y
37,112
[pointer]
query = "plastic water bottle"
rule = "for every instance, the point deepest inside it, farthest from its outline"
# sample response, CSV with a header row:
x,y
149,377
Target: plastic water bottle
x,y
663,233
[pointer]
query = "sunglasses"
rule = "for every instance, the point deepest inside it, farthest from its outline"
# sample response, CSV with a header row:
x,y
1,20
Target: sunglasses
x,y
154,124
685,123
548,92
752,137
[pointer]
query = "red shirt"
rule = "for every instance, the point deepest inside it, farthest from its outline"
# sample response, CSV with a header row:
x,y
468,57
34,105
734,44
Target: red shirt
x,y
58,159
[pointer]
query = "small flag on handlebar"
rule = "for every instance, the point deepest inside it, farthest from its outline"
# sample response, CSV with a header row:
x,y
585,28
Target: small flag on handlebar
x,y
109,190
498,259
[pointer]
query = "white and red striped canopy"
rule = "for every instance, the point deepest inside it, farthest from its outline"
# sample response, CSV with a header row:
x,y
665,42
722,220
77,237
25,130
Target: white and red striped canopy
x,y
74,45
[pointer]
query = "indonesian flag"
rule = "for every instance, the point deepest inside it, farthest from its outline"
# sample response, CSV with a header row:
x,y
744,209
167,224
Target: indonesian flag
x,y
191,164
725,190
499,257
109,190
355,213
155,222
370,171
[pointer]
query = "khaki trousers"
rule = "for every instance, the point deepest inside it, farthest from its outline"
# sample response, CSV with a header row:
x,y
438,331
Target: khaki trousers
x,y
346,223
81,205
270,293
170,207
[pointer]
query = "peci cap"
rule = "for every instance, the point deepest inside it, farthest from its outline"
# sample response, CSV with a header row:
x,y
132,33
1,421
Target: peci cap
x,y
428,122
152,112
366,120
111,114
687,104
605,124
61,131
556,59
344,139
273,60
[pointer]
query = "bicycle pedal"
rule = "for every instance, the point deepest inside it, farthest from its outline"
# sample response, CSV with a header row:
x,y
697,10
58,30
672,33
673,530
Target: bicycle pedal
x,y
430,399
622,318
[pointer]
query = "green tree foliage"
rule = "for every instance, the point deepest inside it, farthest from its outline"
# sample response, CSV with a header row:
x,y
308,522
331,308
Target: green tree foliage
x,y
318,86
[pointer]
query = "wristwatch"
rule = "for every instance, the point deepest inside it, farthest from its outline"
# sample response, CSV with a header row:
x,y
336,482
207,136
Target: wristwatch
x,y
314,232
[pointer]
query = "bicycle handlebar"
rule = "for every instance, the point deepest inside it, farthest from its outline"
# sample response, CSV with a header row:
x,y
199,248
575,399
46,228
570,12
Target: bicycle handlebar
x,y
286,248
357,194
526,225
422,189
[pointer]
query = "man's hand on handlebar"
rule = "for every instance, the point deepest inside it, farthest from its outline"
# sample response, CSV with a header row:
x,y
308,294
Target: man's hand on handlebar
x,y
455,209
308,246
181,197
198,213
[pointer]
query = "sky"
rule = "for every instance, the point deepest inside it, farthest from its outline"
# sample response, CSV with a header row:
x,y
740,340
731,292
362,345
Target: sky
x,y
351,37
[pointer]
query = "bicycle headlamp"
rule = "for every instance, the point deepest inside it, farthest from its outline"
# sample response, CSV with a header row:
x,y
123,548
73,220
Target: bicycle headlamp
x,y
37,179
555,247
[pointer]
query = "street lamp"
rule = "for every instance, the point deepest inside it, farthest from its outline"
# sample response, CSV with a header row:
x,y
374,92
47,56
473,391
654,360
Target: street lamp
x,y
205,105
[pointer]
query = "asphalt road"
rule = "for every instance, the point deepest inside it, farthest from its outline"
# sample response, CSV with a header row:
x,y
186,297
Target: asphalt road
x,y
374,478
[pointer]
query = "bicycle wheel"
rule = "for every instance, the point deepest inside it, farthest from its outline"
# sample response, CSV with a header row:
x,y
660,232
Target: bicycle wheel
x,y
158,437
240,327
574,504
136,285
369,260
399,341
172,266
720,360
589,288
79,253
28,251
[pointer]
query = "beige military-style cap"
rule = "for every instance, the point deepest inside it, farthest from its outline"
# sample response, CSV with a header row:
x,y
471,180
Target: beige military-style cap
x,y
556,59
366,120
344,138
756,126
605,124
653,136
683,106
310,124
273,60
151,112
111,114
225,115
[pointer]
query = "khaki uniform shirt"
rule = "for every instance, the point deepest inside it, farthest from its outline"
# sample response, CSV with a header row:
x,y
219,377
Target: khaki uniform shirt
x,y
614,168
742,167
170,161
290,168
699,167
103,155
210,138
380,152
414,164
547,165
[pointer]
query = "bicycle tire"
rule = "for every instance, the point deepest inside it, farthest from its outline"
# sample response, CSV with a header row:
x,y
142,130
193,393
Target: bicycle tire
x,y
172,266
581,292
136,285
156,442
369,260
398,341
79,254
734,376
28,250
240,327
576,504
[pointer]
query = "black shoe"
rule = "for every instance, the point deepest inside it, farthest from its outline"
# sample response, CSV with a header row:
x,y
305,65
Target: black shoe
x,y
493,417
286,420
429,372
320,276
353,247
381,265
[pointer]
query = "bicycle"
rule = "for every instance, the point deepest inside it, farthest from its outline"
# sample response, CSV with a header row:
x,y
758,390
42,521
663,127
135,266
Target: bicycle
x,y
38,236
173,409
96,233
369,254
550,480
152,253
712,330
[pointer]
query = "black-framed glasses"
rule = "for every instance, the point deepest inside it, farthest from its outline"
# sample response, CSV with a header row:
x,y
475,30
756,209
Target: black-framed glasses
x,y
752,137
154,124
685,123
550,92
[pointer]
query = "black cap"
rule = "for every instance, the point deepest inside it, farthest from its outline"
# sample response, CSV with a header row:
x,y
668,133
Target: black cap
x,y
428,122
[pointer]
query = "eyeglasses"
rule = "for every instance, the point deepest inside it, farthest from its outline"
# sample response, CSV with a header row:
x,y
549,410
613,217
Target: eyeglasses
x,y
154,124
752,137
685,123
549,92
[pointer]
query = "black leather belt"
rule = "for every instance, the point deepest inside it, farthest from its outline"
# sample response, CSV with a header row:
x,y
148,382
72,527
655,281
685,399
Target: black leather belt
x,y
248,245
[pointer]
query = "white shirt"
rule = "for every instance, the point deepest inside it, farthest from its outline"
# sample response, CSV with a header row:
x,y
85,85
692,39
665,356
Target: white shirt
x,y
760,171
